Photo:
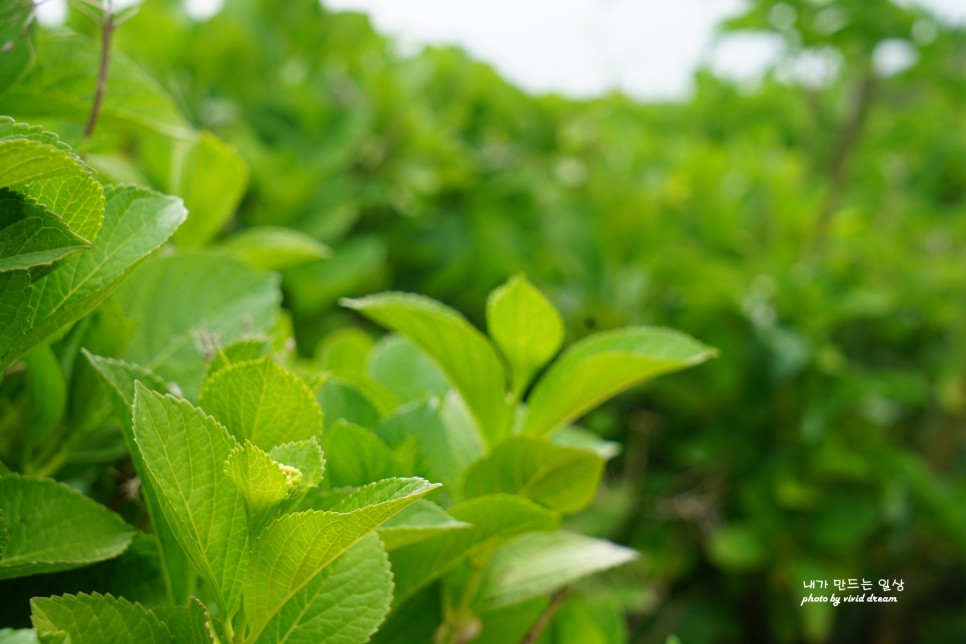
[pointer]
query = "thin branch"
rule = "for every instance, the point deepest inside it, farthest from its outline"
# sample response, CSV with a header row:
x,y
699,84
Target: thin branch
x,y
543,621
107,35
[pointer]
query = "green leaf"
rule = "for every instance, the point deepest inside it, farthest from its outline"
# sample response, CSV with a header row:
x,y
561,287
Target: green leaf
x,y
538,564
362,457
463,353
188,624
137,222
297,547
580,438
49,527
262,402
121,377
15,310
185,453
48,391
246,349
305,456
526,327
96,618
603,365
189,303
36,163
492,517
441,445
273,248
15,41
19,636
262,482
407,372
421,520
32,236
211,177
563,479
344,604
341,399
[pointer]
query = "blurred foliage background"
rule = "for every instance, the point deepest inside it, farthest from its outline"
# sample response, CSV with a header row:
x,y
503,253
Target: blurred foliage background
x,y
812,231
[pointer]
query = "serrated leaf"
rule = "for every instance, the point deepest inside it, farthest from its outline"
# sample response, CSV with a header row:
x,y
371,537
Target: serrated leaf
x,y
50,527
344,604
361,456
274,248
538,564
262,482
185,452
421,520
96,618
526,327
211,177
603,365
137,222
120,378
32,236
563,479
492,518
305,456
295,548
187,305
463,353
242,350
187,624
262,402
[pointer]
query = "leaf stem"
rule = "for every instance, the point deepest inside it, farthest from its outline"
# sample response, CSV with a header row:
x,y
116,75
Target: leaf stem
x,y
107,36
539,626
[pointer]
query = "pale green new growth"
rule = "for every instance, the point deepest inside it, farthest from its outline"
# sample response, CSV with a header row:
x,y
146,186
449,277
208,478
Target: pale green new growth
x,y
526,327
538,564
262,482
603,365
564,479
262,402
45,526
305,456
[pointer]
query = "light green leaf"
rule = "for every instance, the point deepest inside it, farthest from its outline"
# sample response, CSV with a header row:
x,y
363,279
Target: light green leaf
x,y
137,222
297,547
273,248
463,353
15,39
49,527
188,304
190,624
492,517
261,401
361,457
185,453
564,479
441,446
421,520
397,364
526,327
580,438
96,618
120,378
344,604
246,349
538,564
306,456
262,482
19,636
32,236
342,399
211,177
603,365
345,351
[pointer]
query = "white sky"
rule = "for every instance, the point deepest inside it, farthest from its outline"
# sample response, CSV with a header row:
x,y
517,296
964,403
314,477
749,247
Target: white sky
x,y
646,48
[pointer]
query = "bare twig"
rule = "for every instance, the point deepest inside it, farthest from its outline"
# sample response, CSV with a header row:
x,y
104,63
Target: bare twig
x,y
539,626
107,34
